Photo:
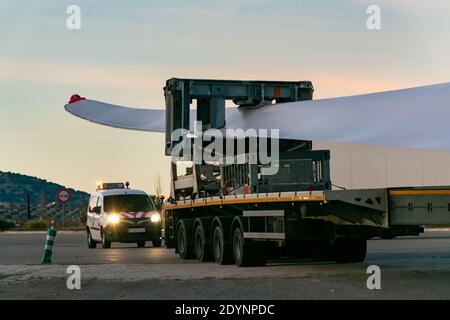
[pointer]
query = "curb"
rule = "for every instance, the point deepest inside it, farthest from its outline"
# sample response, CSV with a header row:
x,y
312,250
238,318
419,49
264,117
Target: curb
x,y
437,229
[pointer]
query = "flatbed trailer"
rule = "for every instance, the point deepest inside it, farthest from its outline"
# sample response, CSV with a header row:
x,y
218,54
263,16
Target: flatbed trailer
x,y
234,212
321,225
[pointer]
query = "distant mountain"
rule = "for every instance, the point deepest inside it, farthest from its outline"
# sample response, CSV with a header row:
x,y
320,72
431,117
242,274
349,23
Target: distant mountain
x,y
15,187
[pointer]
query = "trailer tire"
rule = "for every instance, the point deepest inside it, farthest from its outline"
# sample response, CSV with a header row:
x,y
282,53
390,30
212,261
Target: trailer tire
x,y
221,251
241,252
351,250
201,248
359,250
156,242
140,244
248,253
184,247
322,251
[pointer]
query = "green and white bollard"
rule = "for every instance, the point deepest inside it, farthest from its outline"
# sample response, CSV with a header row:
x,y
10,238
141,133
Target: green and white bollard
x,y
51,234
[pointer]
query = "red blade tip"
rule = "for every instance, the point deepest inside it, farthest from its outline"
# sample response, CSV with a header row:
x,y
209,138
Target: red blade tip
x,y
75,98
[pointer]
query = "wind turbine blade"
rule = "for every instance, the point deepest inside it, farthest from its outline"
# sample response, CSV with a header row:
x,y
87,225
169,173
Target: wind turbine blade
x,y
117,116
410,118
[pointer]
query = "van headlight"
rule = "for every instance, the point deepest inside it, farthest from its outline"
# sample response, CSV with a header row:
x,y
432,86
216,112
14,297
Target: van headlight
x,y
113,218
155,217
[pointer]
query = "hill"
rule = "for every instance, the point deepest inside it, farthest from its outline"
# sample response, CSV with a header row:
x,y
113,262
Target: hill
x,y
15,187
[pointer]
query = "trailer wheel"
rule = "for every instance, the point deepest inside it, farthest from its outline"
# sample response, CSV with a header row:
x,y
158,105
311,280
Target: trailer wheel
x,y
241,252
201,249
238,248
351,250
156,242
222,252
250,254
359,250
183,247
322,251
140,244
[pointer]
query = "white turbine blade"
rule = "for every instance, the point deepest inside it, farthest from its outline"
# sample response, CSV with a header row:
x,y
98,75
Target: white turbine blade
x,y
152,120
410,118
117,116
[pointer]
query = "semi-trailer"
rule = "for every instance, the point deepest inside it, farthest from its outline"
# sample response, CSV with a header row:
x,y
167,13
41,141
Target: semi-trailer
x,y
234,213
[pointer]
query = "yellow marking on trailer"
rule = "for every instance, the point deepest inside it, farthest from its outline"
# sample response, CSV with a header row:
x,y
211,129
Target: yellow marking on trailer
x,y
418,192
241,201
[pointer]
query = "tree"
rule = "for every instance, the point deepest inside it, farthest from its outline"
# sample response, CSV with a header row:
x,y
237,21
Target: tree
x,y
158,188
42,210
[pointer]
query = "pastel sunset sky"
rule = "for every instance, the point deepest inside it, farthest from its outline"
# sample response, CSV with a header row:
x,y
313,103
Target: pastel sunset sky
x,y
126,50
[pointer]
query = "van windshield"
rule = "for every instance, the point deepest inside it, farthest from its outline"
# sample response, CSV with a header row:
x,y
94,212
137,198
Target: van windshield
x,y
128,203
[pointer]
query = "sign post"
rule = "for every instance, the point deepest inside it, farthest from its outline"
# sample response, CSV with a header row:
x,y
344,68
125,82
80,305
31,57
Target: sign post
x,y
63,196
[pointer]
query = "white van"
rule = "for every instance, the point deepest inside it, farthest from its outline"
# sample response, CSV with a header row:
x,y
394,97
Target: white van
x,y
119,214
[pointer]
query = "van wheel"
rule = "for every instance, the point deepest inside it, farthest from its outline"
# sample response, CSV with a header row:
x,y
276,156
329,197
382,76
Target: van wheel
x,y
91,243
105,243
141,244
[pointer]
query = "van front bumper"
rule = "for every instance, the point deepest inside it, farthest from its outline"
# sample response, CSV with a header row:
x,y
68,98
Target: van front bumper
x,y
124,233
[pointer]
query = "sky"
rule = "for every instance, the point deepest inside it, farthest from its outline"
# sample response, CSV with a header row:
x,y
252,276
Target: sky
x,y
125,50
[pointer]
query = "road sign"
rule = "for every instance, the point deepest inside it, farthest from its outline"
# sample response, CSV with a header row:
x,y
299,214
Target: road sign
x,y
63,195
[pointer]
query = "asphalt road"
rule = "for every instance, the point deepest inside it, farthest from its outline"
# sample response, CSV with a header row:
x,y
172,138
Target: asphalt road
x,y
71,248
411,268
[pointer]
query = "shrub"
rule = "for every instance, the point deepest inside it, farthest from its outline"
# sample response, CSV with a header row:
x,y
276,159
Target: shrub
x,y
36,225
5,225
83,217
69,224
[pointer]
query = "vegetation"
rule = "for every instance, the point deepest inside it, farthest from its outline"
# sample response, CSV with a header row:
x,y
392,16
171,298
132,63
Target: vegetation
x,y
15,189
38,224
5,225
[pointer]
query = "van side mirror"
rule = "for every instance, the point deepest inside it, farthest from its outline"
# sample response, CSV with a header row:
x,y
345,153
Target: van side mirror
x,y
97,210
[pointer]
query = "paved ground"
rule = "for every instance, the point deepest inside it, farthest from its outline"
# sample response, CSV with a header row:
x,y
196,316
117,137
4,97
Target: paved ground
x,y
411,268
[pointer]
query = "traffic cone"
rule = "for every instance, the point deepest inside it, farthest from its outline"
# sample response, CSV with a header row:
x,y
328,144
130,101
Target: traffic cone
x,y
51,234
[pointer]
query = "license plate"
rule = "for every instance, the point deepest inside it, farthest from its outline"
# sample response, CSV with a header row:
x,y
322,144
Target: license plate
x,y
136,230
